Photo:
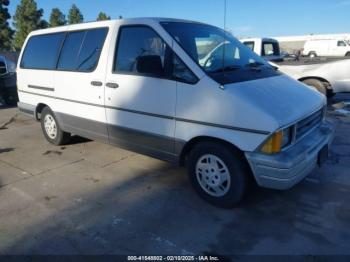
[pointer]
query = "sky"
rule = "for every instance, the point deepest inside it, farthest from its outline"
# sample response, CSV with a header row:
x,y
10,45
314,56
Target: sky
x,y
253,18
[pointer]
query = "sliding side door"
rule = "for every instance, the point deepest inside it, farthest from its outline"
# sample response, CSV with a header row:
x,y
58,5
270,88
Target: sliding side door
x,y
79,83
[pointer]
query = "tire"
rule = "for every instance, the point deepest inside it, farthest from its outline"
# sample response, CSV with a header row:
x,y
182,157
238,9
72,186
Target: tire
x,y
347,54
51,128
317,84
312,54
207,180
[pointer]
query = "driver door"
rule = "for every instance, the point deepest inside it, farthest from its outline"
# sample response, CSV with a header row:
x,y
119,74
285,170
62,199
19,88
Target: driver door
x,y
140,99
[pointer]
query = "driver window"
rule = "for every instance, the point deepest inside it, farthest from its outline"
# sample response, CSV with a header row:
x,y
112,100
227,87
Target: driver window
x,y
140,51
341,43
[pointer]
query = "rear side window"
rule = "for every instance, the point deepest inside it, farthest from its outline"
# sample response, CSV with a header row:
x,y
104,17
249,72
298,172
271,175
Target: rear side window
x,y
41,51
81,50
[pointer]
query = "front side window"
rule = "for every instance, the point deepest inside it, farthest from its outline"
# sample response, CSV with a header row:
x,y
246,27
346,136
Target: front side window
x,y
250,45
341,43
141,51
81,50
41,51
270,49
218,53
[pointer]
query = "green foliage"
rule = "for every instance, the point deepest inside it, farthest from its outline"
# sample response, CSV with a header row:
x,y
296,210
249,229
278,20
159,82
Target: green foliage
x,y
5,31
27,19
75,16
103,16
57,18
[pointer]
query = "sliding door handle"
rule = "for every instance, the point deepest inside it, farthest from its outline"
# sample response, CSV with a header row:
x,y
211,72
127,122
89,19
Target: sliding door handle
x,y
112,85
96,83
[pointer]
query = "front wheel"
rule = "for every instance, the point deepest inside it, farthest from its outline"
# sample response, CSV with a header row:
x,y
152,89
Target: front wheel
x,y
218,174
51,128
316,84
312,55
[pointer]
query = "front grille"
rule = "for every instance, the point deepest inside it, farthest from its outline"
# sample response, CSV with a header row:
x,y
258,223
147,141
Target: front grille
x,y
308,124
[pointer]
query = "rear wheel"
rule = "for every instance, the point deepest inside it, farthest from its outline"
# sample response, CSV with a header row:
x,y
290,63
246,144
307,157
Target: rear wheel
x,y
317,84
312,54
218,174
51,128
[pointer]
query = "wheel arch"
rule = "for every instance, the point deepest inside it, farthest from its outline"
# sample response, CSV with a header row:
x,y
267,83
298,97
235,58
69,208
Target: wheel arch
x,y
328,84
199,139
39,108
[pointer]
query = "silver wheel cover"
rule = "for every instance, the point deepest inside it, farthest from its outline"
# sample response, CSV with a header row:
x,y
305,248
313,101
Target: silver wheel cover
x,y
213,175
50,126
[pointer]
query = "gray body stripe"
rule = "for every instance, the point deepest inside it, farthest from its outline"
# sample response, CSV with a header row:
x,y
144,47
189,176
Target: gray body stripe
x,y
154,145
247,130
41,88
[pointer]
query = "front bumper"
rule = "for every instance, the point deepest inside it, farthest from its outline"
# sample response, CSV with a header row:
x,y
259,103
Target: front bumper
x,y
284,170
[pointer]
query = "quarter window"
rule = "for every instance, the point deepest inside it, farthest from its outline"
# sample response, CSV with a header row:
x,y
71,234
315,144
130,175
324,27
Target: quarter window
x,y
81,50
182,73
41,51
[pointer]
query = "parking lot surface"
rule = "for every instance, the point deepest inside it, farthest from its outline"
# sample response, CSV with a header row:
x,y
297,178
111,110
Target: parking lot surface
x,y
91,198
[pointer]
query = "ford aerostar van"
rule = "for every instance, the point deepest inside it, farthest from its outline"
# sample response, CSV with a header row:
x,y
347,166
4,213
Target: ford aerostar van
x,y
142,84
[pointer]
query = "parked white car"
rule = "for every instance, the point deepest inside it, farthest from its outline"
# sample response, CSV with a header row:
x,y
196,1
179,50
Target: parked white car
x,y
326,47
329,77
138,84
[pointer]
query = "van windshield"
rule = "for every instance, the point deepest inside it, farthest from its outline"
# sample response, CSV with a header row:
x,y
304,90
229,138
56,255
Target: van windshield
x,y
218,53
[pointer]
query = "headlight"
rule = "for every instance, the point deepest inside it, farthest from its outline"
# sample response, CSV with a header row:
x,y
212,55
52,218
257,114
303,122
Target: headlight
x,y
278,141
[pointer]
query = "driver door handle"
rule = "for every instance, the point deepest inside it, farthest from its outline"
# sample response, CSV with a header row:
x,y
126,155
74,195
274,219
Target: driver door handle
x,y
112,85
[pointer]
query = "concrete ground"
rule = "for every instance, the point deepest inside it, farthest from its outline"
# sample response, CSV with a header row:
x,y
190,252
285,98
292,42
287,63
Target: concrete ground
x,y
91,198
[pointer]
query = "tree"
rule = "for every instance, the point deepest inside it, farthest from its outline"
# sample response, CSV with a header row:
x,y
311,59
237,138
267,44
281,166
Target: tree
x,y
75,16
5,31
57,18
102,16
27,18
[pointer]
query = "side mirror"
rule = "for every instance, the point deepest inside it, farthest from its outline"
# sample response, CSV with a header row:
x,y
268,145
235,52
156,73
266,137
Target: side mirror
x,y
150,65
3,68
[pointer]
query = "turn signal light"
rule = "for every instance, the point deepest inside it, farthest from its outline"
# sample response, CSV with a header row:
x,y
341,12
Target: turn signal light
x,y
274,144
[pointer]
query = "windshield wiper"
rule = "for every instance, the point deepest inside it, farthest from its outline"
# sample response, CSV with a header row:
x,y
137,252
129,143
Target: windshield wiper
x,y
226,69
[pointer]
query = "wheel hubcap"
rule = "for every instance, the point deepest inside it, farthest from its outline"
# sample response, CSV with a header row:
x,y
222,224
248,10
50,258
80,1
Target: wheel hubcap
x,y
50,126
213,175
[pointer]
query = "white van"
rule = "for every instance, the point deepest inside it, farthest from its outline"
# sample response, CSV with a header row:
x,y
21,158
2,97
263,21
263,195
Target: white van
x,y
138,84
327,47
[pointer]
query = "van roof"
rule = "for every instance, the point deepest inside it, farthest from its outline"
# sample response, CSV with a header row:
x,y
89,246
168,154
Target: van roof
x,y
108,23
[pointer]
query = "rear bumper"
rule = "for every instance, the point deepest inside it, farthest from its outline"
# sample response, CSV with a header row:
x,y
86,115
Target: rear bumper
x,y
284,170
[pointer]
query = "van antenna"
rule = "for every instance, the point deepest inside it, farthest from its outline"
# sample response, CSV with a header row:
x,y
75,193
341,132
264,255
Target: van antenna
x,y
224,50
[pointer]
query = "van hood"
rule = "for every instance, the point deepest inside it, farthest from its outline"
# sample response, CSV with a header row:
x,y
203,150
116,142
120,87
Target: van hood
x,y
282,98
